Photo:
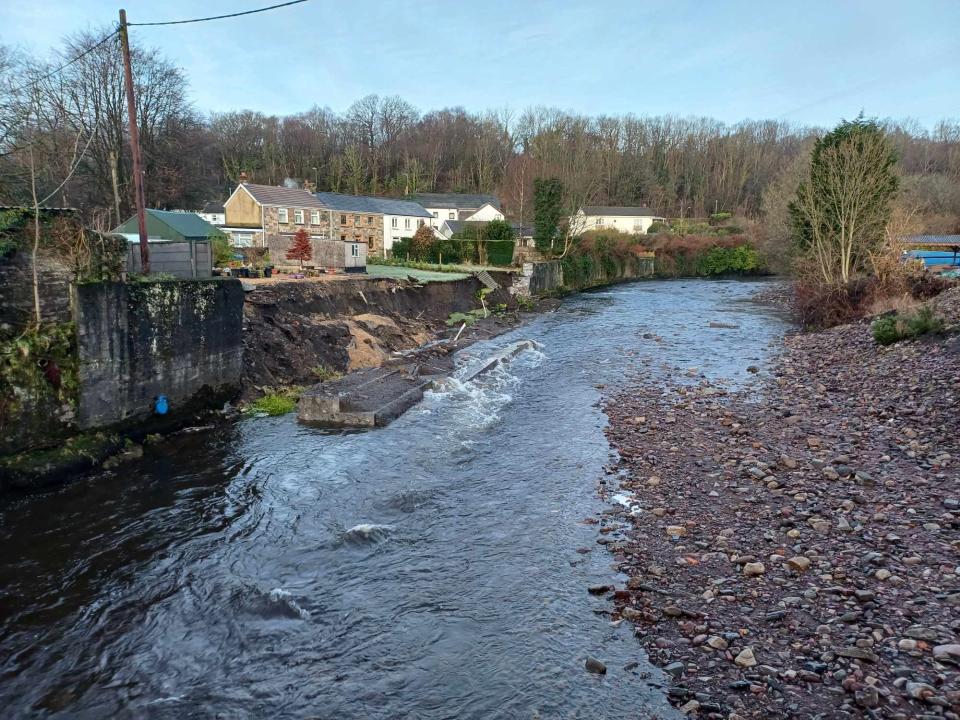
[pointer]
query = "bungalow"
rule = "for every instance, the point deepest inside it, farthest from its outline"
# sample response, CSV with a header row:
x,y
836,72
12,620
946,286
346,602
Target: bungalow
x,y
633,220
459,207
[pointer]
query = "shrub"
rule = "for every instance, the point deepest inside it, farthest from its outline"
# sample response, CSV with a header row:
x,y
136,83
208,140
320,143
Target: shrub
x,y
885,330
275,403
500,252
893,328
421,243
658,227
400,249
222,252
325,374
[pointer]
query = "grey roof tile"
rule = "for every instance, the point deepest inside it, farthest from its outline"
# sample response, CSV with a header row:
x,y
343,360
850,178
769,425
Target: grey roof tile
x,y
459,201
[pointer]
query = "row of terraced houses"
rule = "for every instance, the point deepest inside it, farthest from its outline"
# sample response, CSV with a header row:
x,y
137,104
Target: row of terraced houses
x,y
269,216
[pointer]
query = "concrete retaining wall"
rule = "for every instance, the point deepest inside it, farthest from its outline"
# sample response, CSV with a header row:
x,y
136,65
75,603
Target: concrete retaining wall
x,y
136,341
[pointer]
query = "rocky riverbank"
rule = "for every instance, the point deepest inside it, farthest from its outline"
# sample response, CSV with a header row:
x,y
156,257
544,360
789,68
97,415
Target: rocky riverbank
x,y
792,547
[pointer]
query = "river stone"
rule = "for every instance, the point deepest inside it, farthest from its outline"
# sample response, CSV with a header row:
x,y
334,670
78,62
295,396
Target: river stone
x,y
799,563
717,643
676,530
949,652
595,666
754,569
674,669
745,658
857,654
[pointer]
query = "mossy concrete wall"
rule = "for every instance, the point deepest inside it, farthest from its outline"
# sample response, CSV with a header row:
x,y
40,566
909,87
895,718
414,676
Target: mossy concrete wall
x,y
137,341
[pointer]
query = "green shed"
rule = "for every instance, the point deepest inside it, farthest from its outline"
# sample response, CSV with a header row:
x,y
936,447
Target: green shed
x,y
167,225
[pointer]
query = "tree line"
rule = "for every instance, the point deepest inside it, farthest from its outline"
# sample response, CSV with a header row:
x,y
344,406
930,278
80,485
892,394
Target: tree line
x,y
73,123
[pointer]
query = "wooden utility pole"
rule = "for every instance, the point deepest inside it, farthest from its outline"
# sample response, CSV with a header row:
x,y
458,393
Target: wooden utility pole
x,y
135,146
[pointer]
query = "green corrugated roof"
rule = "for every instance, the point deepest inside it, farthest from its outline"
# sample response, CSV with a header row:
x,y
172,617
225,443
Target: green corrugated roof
x,y
188,224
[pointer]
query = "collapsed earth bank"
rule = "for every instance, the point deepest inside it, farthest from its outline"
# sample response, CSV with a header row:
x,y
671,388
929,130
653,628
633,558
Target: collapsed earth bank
x,y
300,332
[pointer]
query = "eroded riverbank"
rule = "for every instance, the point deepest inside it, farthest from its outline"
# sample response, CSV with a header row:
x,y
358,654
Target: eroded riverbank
x,y
792,547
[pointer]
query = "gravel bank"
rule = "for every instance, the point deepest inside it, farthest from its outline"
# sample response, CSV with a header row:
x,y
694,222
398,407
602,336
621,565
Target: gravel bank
x,y
792,548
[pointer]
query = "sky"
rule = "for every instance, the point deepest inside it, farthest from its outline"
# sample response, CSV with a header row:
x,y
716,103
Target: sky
x,y
810,62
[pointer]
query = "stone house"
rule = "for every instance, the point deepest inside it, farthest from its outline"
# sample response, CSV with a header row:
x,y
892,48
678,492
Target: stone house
x,y
392,219
264,215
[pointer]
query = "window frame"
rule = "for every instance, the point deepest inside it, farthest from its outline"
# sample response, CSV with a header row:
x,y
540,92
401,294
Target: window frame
x,y
314,217
298,217
283,216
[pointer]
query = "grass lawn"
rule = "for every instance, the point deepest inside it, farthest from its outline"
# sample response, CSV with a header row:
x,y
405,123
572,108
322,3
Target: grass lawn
x,y
399,272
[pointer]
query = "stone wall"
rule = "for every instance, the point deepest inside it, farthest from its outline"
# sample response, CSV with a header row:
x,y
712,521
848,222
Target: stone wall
x,y
538,278
136,341
16,291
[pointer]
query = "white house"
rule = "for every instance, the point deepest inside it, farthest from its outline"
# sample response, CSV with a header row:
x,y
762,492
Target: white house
x,y
459,207
633,220
401,219
214,214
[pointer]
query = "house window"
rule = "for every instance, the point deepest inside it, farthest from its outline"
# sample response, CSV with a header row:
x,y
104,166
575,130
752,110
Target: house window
x,y
369,219
355,250
406,223
435,214
453,215
419,223
298,217
282,216
243,239
394,222
343,219
343,238
356,220
599,222
314,217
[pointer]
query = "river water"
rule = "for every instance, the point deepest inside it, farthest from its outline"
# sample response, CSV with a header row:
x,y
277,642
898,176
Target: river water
x,y
426,570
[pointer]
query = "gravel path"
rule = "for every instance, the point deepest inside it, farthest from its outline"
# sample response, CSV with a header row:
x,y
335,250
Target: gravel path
x,y
792,548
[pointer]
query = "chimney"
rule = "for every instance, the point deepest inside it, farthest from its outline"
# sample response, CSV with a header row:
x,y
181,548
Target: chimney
x,y
310,187
243,176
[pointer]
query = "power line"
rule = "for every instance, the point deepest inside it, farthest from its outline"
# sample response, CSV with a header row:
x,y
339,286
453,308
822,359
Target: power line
x,y
65,65
218,17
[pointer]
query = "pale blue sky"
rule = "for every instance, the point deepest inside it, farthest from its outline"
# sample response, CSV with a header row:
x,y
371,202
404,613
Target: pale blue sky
x,y
807,61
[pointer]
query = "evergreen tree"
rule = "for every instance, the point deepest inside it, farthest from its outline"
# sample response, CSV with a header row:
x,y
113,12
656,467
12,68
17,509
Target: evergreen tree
x,y
421,242
843,204
547,211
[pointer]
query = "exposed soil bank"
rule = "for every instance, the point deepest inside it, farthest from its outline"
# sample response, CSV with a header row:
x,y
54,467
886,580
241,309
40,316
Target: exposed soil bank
x,y
793,547
293,329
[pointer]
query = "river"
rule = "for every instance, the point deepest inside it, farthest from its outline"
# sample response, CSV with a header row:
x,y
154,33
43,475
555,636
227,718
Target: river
x,y
436,568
